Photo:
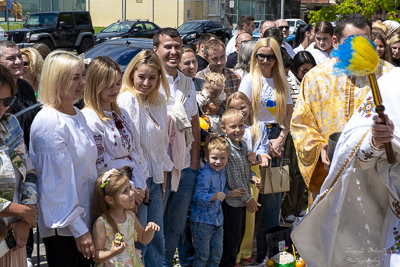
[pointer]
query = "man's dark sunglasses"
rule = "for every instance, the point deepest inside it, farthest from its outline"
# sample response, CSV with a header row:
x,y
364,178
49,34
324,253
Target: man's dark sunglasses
x,y
8,101
283,27
269,58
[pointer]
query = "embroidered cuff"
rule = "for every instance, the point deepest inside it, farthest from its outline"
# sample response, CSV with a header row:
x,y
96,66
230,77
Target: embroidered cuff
x,y
367,151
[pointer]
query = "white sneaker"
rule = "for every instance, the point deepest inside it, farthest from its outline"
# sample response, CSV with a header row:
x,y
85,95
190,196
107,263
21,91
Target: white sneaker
x,y
29,262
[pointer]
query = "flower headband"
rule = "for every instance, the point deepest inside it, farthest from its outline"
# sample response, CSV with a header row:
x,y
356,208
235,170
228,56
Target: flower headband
x,y
106,177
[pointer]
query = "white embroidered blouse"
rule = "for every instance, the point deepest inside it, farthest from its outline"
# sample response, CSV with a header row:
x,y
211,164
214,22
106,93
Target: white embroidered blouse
x,y
117,144
64,154
150,121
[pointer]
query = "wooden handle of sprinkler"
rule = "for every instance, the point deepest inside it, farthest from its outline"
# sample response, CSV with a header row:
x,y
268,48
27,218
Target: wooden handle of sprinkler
x,y
388,146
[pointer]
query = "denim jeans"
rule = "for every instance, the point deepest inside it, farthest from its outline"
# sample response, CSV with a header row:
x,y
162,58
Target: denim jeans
x,y
153,253
208,244
270,205
175,207
142,216
185,246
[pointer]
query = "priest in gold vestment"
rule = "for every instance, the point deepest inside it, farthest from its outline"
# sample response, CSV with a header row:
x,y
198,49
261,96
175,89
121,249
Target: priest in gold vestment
x,y
325,104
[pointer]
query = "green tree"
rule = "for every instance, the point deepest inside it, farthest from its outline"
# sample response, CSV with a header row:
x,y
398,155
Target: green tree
x,y
365,7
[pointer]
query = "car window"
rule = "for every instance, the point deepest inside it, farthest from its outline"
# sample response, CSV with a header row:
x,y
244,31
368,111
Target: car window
x,y
214,24
301,22
41,20
125,26
81,19
66,17
291,23
190,26
139,26
150,26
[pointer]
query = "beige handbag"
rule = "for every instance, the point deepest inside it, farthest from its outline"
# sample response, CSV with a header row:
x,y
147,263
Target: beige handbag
x,y
275,179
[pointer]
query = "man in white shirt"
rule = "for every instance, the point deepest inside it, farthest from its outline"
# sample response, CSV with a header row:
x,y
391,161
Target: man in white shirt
x,y
245,24
266,25
168,46
284,27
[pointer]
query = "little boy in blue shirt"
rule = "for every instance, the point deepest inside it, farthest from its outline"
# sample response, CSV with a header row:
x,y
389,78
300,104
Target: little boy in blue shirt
x,y
206,218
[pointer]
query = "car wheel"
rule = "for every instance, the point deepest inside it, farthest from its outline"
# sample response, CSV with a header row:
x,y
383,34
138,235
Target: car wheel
x,y
86,44
48,43
226,40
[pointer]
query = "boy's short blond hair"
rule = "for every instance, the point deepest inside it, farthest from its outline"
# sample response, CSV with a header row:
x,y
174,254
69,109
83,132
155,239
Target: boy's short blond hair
x,y
230,113
218,143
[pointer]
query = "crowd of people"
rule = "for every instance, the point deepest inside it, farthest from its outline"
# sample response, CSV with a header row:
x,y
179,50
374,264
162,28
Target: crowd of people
x,y
124,169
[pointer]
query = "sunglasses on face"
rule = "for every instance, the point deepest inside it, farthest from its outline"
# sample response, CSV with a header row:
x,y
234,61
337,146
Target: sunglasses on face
x,y
269,58
8,101
283,27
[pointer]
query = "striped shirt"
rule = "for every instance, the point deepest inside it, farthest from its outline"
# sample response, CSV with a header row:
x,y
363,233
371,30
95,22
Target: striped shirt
x,y
238,173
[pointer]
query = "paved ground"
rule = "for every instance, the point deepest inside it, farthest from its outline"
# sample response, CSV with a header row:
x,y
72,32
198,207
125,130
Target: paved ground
x,y
42,252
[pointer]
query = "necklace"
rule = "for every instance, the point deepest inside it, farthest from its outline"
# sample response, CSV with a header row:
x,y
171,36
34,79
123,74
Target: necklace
x,y
108,109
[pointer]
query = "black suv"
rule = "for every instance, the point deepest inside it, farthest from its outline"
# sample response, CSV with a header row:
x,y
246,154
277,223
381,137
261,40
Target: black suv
x,y
66,29
127,29
192,30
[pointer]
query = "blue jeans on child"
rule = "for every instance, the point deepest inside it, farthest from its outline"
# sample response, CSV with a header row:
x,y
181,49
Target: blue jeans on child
x,y
208,242
152,253
175,207
270,205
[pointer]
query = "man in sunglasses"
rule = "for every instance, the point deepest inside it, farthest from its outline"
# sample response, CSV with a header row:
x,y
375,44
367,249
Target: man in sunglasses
x,y
282,25
245,24
233,57
325,105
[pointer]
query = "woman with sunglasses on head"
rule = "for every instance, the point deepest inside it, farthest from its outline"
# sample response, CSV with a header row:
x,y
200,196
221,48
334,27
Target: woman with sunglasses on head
x,y
292,206
33,63
267,88
322,47
64,153
18,194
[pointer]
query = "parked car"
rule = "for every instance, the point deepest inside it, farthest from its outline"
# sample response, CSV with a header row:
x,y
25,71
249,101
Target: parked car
x,y
191,30
121,50
294,24
127,29
3,35
69,29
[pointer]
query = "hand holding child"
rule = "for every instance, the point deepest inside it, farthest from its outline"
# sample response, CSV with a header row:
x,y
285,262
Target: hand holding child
x,y
239,192
152,227
218,196
252,205
252,158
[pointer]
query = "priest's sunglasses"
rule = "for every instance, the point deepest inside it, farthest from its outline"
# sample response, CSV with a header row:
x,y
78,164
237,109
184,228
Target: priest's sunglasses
x,y
261,57
8,101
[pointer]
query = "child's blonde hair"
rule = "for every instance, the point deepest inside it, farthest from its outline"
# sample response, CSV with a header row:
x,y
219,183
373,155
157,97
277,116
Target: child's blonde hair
x,y
108,186
230,113
215,78
218,143
254,125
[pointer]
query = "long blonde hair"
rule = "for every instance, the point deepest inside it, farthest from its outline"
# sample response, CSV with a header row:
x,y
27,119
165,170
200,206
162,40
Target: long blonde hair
x,y
101,75
35,63
254,125
100,205
146,57
278,75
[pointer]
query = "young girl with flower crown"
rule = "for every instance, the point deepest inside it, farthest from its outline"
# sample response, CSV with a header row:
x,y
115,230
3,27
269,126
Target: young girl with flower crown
x,y
117,227
256,137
